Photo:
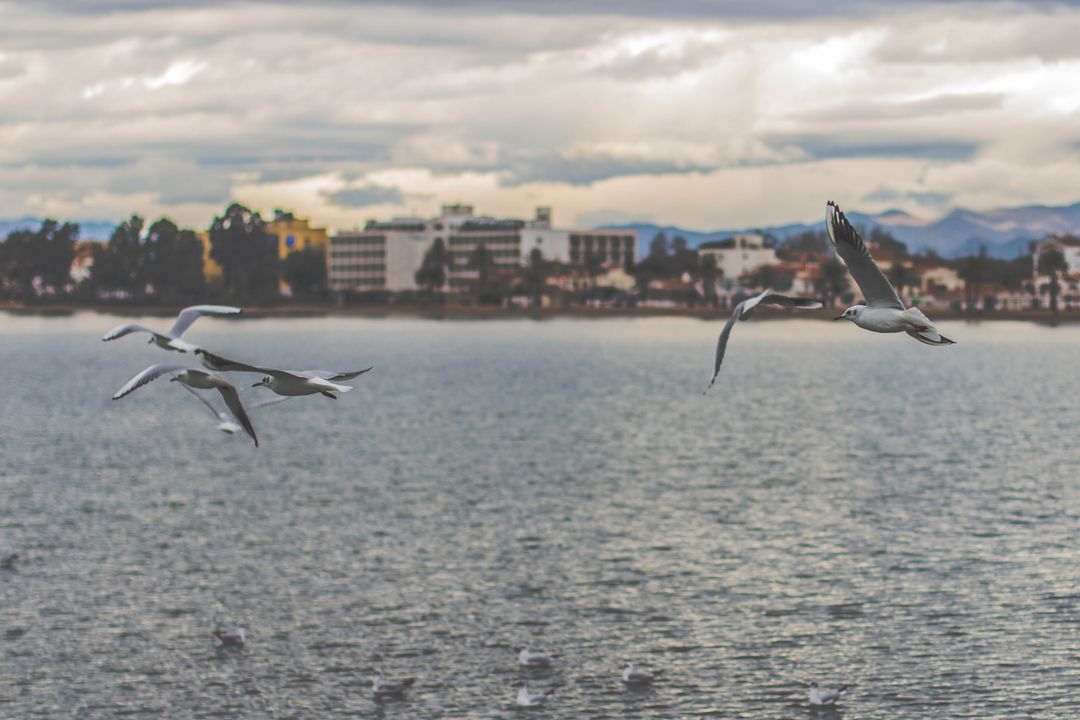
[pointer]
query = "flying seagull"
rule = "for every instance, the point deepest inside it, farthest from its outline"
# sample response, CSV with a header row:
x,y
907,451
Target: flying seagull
x,y
171,340
381,686
638,676
744,310
532,699
195,379
225,422
883,311
820,696
534,659
286,382
235,638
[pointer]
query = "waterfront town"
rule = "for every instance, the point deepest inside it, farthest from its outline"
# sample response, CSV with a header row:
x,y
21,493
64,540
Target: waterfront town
x,y
465,259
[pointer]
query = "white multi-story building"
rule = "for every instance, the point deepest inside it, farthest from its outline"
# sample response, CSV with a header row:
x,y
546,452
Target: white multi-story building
x,y
739,255
386,255
1069,248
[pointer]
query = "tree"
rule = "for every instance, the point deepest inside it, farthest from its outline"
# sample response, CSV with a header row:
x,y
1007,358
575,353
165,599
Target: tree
x,y
831,280
481,260
432,273
1052,262
594,263
247,254
900,276
973,272
709,273
806,243
886,245
683,259
173,262
535,275
765,277
39,260
120,265
304,271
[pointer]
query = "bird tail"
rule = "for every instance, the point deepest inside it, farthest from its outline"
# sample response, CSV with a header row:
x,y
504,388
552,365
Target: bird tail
x,y
930,336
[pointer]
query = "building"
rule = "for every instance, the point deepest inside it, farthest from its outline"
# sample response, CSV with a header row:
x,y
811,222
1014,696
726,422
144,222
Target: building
x,y
295,233
212,272
1068,246
386,255
739,255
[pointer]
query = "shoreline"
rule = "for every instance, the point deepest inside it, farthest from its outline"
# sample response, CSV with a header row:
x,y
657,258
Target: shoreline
x,y
473,312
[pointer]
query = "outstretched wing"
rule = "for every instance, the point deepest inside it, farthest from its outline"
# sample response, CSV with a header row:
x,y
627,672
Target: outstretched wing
x,y
121,330
721,344
232,401
190,314
224,364
793,302
876,289
148,375
336,376
216,413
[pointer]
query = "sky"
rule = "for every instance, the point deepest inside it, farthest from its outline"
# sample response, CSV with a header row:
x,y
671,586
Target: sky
x,y
702,114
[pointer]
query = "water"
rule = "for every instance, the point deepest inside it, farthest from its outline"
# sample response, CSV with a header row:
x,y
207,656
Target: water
x,y
844,507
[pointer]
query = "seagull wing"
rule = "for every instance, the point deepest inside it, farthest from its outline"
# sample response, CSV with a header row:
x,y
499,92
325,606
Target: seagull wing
x,y
853,251
721,344
121,330
224,364
336,376
190,314
217,413
793,302
232,401
148,375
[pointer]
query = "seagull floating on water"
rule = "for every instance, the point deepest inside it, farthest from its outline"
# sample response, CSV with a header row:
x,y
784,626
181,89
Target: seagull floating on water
x,y
534,659
638,676
745,309
231,638
286,382
10,562
225,422
171,340
195,379
525,698
883,312
381,686
820,696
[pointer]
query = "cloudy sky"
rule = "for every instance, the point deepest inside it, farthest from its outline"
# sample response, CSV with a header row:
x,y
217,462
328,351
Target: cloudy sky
x,y
703,114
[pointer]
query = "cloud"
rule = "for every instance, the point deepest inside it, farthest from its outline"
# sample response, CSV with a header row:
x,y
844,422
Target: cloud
x,y
365,196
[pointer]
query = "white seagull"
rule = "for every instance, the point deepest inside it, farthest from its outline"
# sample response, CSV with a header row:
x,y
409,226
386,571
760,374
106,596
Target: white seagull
x,y
533,659
231,638
532,699
744,310
171,340
196,379
638,676
286,382
225,422
883,312
381,686
820,697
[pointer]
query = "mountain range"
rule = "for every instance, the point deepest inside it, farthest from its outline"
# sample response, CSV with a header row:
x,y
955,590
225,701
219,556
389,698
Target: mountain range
x,y
1005,232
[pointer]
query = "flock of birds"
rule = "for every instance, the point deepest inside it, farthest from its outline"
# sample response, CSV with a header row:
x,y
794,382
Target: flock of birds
x,y
883,312
285,384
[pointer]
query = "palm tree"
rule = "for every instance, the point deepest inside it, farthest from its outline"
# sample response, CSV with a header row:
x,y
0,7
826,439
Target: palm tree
x,y
900,276
1052,262
831,280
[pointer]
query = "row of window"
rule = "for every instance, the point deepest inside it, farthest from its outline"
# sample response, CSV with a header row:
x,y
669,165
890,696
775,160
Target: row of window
x,y
487,240
340,268
354,240
374,253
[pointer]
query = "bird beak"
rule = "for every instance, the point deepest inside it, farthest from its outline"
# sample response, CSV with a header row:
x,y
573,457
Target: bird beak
x,y
838,318
258,384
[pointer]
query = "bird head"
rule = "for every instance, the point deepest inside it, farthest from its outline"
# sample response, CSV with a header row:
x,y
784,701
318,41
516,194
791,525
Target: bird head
x,y
265,381
852,313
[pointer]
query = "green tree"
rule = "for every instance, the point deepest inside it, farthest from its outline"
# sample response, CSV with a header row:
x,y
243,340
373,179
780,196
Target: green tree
x,y
120,264
901,276
683,259
304,271
481,260
709,273
535,274
39,260
765,277
432,273
247,254
973,271
831,280
174,262
1051,263
594,264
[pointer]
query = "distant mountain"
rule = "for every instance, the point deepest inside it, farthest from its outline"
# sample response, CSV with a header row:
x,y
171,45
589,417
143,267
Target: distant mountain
x,y
88,229
1005,232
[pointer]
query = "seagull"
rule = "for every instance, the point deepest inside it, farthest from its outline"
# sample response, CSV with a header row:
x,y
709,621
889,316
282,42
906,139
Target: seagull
x,y
171,340
744,310
883,311
286,382
195,379
381,686
820,696
231,638
533,659
637,676
225,422
532,699
10,562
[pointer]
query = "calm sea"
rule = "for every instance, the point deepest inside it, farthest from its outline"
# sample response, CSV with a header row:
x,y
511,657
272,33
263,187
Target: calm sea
x,y
843,506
